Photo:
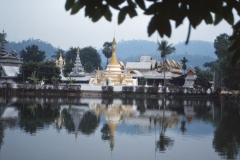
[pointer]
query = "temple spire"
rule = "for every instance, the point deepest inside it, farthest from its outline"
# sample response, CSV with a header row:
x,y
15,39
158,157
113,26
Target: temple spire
x,y
113,60
60,57
3,42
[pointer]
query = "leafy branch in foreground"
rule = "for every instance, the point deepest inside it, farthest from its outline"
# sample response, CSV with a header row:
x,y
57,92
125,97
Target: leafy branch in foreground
x,y
161,12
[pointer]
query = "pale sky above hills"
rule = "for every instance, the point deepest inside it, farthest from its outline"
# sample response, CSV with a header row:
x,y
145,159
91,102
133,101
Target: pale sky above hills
x,y
47,20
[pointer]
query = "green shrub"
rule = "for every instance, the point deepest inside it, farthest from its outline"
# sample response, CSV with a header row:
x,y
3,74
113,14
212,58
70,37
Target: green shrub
x,y
127,89
152,90
139,89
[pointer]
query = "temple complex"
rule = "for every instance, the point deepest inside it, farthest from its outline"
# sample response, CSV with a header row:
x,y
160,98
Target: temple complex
x,y
9,63
113,75
77,73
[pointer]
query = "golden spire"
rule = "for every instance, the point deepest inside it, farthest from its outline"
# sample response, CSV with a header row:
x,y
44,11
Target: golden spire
x,y
60,58
78,50
114,60
112,127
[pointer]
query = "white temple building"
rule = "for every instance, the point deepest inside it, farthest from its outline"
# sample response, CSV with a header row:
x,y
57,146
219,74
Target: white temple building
x,y
190,78
9,63
152,70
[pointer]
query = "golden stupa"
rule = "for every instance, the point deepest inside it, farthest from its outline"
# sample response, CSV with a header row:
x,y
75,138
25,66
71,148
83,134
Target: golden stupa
x,y
60,62
113,75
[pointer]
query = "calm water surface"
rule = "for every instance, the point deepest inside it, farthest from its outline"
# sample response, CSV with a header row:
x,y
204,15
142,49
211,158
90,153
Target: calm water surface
x,y
136,129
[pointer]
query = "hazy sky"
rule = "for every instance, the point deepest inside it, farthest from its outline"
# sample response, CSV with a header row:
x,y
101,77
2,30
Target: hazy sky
x,y
48,20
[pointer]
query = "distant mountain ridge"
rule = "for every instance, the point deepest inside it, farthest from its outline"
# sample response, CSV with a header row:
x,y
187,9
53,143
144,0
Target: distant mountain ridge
x,y
44,46
197,52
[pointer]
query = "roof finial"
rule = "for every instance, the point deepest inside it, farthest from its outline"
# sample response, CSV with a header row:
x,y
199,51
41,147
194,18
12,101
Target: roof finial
x,y
114,30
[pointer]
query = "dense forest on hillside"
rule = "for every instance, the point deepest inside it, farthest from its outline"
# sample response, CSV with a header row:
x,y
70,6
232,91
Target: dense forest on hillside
x,y
44,46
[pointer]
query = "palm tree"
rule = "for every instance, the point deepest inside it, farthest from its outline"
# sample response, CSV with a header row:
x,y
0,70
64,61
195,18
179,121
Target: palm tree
x,y
33,77
184,66
107,50
165,50
71,80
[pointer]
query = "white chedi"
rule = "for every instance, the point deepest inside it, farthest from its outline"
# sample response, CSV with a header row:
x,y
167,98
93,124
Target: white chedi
x,y
167,90
208,91
160,88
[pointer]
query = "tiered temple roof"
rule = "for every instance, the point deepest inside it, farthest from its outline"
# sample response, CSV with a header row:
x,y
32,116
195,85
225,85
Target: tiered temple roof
x,y
9,62
77,70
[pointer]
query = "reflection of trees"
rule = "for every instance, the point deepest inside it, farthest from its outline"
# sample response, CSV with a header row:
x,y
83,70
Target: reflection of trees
x,y
127,101
1,134
227,135
183,125
107,100
152,103
140,105
105,132
68,122
164,142
88,123
34,116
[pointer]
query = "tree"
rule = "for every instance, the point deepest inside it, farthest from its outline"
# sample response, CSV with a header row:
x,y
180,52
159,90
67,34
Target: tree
x,y
33,77
32,53
203,77
107,50
221,44
68,68
90,58
57,54
165,50
184,66
162,12
43,70
48,70
70,57
225,74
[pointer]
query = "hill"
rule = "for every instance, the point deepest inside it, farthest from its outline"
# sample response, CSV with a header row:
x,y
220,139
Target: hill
x,y
197,52
44,46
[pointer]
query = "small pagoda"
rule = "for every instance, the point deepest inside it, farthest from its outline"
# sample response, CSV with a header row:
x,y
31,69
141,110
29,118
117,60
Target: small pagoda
x,y
77,70
60,63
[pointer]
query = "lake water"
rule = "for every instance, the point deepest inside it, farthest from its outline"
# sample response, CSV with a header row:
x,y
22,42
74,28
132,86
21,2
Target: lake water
x,y
134,129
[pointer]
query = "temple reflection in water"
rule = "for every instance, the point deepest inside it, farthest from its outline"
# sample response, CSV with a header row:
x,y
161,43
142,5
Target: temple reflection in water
x,y
113,117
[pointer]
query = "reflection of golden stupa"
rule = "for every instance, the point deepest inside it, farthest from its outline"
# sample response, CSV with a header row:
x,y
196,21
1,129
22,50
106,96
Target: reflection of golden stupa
x,y
113,74
60,62
113,116
59,121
